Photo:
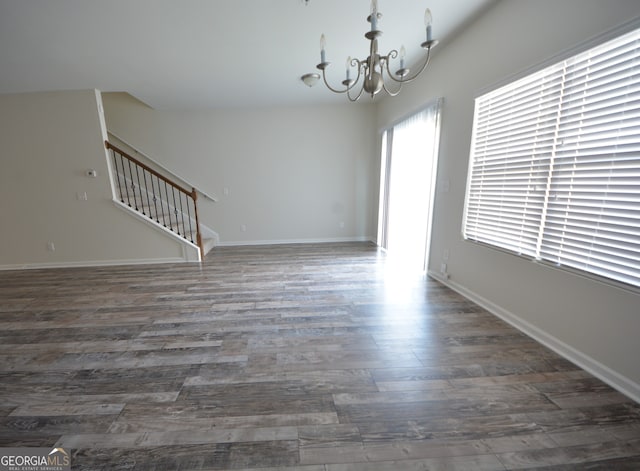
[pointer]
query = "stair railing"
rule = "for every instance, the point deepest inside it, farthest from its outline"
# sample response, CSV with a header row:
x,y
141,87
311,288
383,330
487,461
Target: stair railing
x,y
138,154
155,196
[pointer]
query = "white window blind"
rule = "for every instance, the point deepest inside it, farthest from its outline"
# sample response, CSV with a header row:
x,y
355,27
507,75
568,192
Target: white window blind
x,y
554,171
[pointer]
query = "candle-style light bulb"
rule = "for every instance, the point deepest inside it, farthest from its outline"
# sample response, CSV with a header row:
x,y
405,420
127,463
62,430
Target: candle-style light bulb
x,y
323,44
427,22
348,66
403,52
374,15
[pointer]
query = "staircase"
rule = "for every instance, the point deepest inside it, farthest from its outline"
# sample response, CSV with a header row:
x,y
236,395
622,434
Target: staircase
x,y
159,200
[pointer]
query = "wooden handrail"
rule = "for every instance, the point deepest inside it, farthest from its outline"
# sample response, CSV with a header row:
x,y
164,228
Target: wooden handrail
x,y
161,166
193,194
146,167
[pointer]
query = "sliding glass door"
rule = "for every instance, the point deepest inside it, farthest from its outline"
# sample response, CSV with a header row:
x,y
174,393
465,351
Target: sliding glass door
x,y
409,164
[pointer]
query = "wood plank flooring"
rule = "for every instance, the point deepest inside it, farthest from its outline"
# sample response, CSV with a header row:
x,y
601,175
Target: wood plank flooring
x,y
302,357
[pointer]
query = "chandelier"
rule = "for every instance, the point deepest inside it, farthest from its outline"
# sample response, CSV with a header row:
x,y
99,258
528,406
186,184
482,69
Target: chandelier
x,y
371,73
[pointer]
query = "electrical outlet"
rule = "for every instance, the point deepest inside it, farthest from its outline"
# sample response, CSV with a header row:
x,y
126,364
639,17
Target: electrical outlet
x,y
445,255
443,268
243,228
51,246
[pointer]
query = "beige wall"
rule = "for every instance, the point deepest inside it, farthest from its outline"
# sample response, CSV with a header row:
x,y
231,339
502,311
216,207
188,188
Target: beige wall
x,y
597,325
49,140
290,174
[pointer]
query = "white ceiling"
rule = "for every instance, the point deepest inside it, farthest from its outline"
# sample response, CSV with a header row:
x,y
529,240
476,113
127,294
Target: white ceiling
x,y
186,54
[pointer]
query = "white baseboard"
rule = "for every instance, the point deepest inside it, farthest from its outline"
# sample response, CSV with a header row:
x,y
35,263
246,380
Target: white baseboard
x,y
614,379
91,263
294,241
183,259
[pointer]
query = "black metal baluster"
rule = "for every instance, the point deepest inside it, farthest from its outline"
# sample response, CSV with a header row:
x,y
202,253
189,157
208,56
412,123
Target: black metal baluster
x,y
155,200
164,220
124,177
166,192
146,190
133,188
162,203
189,218
184,229
169,202
115,164
140,190
175,209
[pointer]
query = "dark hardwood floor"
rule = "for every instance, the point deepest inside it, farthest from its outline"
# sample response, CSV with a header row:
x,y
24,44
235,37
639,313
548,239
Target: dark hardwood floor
x,y
301,357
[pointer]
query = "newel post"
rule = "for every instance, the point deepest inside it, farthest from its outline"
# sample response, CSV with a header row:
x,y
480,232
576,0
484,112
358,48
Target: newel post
x,y
194,195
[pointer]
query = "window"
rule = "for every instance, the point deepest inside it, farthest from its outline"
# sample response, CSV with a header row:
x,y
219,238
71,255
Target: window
x,y
554,171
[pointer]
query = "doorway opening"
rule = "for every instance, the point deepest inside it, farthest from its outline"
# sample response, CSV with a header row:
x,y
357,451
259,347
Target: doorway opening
x,y
407,182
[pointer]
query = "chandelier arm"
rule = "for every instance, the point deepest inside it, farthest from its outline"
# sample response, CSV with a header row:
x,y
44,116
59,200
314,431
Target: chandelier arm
x,y
363,69
382,67
324,77
357,97
352,99
360,66
410,79
389,92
